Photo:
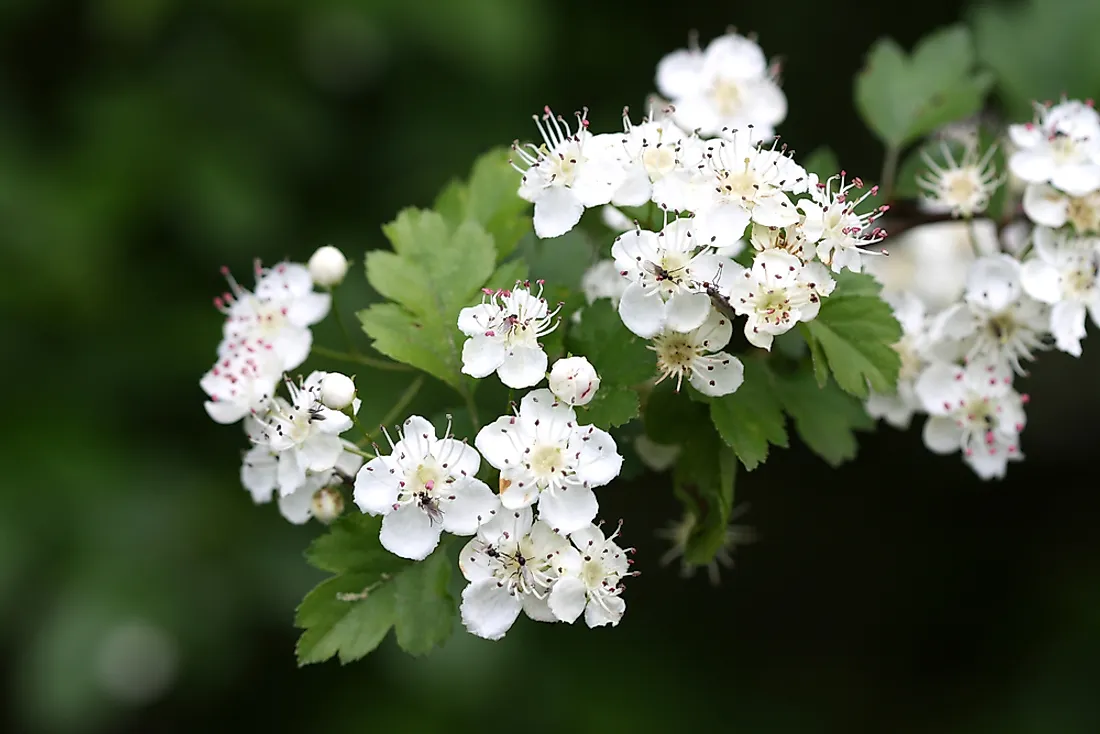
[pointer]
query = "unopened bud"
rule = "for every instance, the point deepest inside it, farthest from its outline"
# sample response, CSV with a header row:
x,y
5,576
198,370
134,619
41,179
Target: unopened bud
x,y
337,391
328,266
327,504
574,380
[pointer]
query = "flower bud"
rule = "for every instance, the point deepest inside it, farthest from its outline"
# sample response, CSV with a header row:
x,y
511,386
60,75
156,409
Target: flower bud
x,y
574,380
328,266
327,504
337,391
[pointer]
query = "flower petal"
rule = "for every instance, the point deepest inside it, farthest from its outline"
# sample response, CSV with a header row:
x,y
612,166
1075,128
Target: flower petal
x,y
297,507
568,508
488,610
942,435
471,507
1067,323
599,461
1041,281
596,615
567,599
321,451
557,211
481,356
642,311
687,311
717,374
376,486
523,367
409,532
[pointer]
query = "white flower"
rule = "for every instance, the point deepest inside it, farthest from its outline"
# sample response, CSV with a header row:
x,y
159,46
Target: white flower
x,y
962,188
996,320
1063,273
328,266
569,172
657,457
665,272
696,355
544,456
277,315
652,150
316,497
898,409
1049,207
728,85
1061,147
424,486
241,383
790,239
776,293
973,409
593,587
830,220
337,391
511,565
603,280
574,380
302,433
504,331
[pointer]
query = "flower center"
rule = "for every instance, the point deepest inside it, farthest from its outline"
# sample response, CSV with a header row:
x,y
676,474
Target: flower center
x,y
726,96
427,478
562,163
741,185
1064,149
910,360
270,317
1080,281
546,462
593,573
659,160
773,306
1084,213
961,188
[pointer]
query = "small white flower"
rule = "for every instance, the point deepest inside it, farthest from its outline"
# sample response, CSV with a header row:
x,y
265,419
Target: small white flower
x,y
1061,147
657,457
277,314
790,239
302,433
1049,207
603,280
337,391
1063,273
973,409
574,380
727,85
593,587
241,383
328,266
776,293
504,331
996,320
898,409
697,355
962,188
652,150
545,457
830,220
424,486
511,565
679,533
666,271
316,497
570,171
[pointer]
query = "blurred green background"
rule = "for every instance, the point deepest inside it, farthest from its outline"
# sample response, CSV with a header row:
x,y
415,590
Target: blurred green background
x,y
144,143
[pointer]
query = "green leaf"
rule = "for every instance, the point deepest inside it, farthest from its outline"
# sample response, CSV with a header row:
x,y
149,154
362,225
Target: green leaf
x,y
670,416
613,405
856,330
817,355
751,419
703,480
823,162
620,357
348,629
342,548
506,275
902,97
824,417
489,198
420,343
425,610
560,261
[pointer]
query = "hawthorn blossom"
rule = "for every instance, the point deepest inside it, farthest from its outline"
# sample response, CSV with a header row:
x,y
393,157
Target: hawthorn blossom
x,y
790,239
1049,207
573,380
898,409
512,564
603,280
328,266
424,486
1063,272
594,586
241,383
503,332
830,221
568,172
776,293
665,271
973,409
545,457
1061,147
727,85
302,433
316,497
962,187
651,150
697,355
277,314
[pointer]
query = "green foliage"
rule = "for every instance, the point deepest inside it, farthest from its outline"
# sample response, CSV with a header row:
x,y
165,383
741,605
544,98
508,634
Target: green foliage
x,y
915,165
823,162
348,615
703,480
902,97
614,405
490,199
560,261
668,416
824,417
751,419
620,357
855,332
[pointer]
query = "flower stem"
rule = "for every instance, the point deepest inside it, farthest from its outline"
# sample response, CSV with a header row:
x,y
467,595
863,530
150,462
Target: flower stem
x,y
341,325
889,172
471,406
394,413
380,364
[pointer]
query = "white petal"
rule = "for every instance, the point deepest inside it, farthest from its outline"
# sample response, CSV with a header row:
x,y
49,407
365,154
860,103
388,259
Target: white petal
x,y
473,505
474,563
775,211
409,532
308,309
714,333
523,367
940,388
537,609
488,610
517,489
321,451
994,282
568,508
1031,166
687,311
481,356
642,311
225,411
596,616
678,73
461,459
567,599
942,435
733,56
507,525
634,191
258,473
1076,179
477,319
758,337
376,486
556,212
718,374
723,226
500,444
1067,323
292,346
988,464
1025,136
599,461
1046,205
292,472
1041,281
297,507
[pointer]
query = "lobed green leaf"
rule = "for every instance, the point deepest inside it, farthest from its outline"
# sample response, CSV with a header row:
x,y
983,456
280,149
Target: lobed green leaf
x,y
751,419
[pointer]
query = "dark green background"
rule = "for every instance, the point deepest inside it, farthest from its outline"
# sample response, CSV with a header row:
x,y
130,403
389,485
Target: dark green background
x,y
144,143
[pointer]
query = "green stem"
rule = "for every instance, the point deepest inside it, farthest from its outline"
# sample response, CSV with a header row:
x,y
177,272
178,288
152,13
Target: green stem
x,y
341,325
395,412
889,171
359,452
379,364
471,406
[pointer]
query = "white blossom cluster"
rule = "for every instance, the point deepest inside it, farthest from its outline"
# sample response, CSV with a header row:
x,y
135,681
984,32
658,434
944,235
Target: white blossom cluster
x,y
680,287
959,363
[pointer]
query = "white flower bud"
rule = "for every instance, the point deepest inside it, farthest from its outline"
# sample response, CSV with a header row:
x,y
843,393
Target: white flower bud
x,y
327,504
337,391
328,266
574,381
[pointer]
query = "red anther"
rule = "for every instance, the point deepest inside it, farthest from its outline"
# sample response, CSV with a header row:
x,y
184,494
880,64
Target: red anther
x,y
1019,427
224,269
1025,398
989,438
488,291
1089,102
858,182
218,303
